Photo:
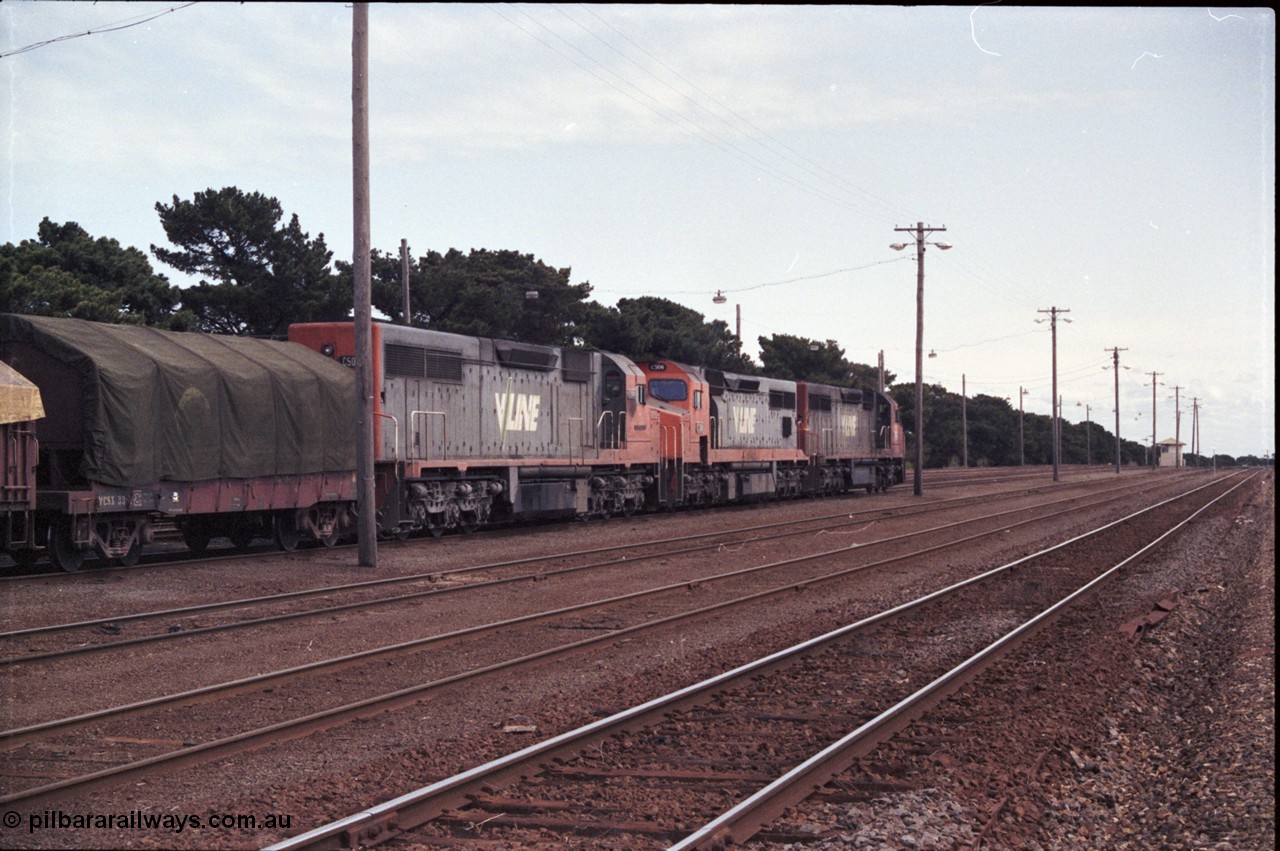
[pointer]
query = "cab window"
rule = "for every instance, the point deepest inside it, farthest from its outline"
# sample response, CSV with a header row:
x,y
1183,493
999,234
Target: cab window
x,y
668,389
614,385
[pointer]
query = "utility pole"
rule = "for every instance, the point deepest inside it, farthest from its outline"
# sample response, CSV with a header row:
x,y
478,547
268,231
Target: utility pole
x,y
1088,437
1195,428
1054,312
406,314
367,528
964,420
880,369
1022,445
1115,362
1058,436
1155,449
920,231
1177,427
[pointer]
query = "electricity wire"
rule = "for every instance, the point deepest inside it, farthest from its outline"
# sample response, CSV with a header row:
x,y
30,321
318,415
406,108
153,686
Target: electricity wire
x,y
116,27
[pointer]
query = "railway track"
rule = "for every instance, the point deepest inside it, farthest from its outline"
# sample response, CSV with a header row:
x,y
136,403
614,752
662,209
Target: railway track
x,y
53,640
606,620
715,763
170,553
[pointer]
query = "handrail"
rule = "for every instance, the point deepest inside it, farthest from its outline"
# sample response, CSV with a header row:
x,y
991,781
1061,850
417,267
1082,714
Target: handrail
x,y
604,439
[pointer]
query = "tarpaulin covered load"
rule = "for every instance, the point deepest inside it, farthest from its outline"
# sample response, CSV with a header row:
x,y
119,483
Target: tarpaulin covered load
x,y
163,405
19,398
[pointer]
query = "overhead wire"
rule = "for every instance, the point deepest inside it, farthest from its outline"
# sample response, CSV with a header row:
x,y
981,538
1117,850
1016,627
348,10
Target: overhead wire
x,y
124,24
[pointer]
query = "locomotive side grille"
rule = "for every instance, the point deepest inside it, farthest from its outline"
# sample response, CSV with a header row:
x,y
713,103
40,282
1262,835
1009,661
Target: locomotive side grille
x,y
819,403
444,366
417,362
404,360
782,399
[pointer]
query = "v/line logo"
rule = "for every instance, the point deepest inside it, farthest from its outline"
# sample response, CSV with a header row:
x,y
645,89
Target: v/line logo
x,y
517,411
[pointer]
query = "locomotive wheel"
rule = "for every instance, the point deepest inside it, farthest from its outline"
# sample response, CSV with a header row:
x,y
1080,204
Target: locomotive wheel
x,y
330,539
62,550
284,528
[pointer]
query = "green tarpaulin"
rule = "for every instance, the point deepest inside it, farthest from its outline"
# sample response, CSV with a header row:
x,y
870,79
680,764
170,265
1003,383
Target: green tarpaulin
x,y
161,405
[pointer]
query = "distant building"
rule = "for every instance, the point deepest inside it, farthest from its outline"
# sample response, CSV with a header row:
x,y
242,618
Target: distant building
x,y
1170,453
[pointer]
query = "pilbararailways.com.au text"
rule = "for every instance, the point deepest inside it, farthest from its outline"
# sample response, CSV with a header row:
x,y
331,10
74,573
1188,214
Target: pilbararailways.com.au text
x,y
59,820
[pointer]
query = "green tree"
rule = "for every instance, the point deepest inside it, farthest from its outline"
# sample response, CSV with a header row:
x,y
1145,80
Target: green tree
x,y
66,272
649,328
265,276
802,359
993,432
483,293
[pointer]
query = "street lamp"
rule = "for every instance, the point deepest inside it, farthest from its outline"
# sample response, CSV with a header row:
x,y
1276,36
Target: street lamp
x,y
920,231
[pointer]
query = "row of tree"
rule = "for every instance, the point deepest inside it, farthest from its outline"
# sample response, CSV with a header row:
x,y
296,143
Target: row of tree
x,y
999,435
257,274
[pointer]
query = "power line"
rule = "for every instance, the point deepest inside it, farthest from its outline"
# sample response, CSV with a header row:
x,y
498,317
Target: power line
x,y
120,25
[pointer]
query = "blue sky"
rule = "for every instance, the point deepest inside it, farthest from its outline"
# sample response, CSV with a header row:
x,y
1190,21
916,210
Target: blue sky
x,y
1118,163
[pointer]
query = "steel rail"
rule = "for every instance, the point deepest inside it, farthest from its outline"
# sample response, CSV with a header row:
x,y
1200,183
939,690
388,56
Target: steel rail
x,y
13,738
368,707
749,816
846,519
265,550
414,808
906,510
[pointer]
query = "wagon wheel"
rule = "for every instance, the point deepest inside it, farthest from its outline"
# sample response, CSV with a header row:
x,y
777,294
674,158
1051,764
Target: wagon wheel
x,y
196,538
62,549
241,536
130,558
330,539
284,528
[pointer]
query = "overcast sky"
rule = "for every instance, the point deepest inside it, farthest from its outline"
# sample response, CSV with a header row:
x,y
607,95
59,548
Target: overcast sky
x,y
1116,163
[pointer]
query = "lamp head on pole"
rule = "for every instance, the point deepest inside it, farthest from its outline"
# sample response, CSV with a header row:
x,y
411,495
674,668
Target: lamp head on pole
x,y
719,298
897,246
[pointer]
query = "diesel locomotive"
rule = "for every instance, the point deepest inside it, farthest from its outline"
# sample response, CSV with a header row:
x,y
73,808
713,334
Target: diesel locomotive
x,y
242,439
